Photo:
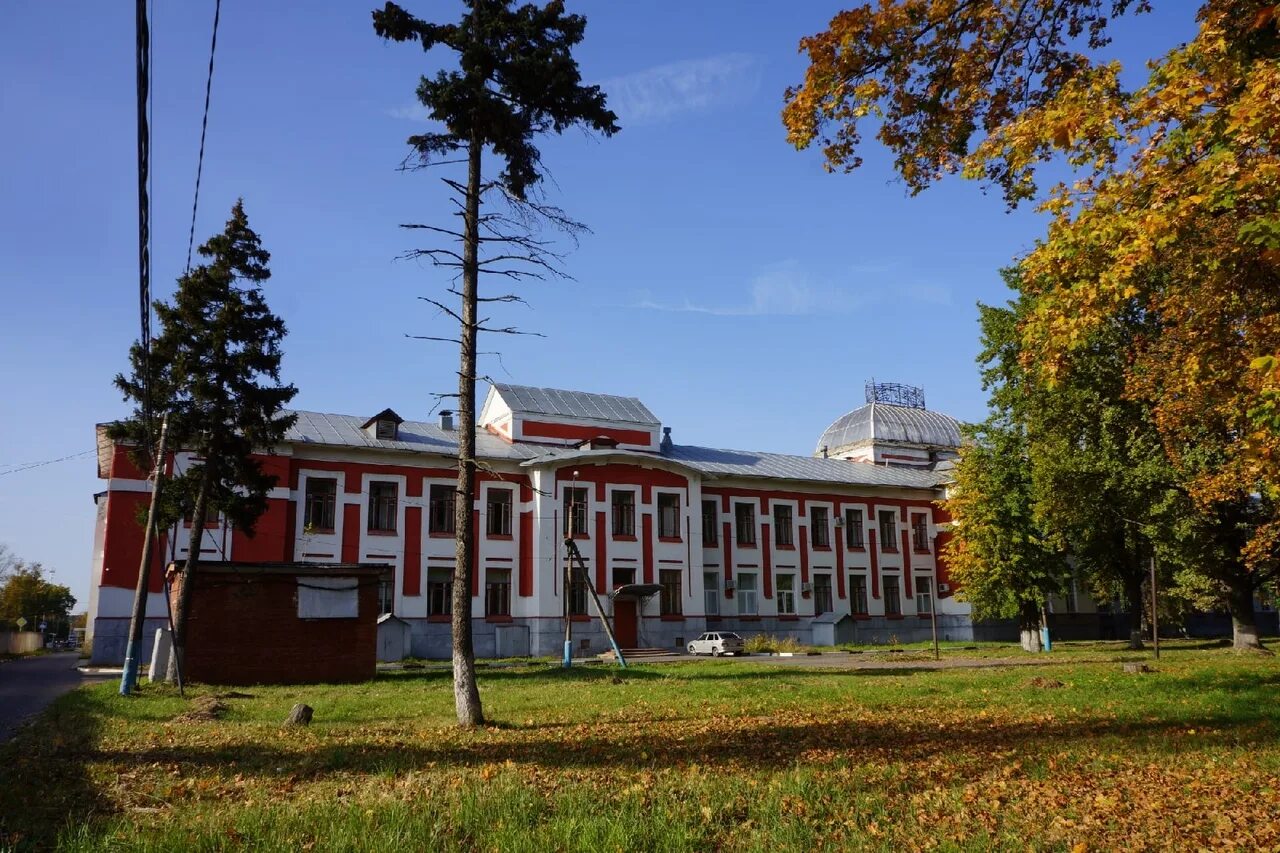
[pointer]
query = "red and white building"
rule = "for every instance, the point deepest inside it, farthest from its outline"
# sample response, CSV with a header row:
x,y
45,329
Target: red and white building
x,y
683,539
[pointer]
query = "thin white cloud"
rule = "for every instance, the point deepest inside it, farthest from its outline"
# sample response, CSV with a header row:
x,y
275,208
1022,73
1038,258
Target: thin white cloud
x,y
783,289
659,93
656,94
928,294
412,112
786,290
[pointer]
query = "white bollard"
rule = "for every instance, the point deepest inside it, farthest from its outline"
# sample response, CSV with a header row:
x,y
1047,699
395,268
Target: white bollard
x,y
160,651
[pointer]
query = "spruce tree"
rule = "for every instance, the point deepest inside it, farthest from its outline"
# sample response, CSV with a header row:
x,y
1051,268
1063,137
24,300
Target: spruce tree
x,y
215,371
516,78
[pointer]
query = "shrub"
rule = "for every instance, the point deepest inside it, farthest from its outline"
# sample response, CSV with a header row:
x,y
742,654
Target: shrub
x,y
767,644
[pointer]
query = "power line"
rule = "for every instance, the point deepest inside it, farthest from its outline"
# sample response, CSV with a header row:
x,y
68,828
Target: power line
x,y
143,61
204,127
27,466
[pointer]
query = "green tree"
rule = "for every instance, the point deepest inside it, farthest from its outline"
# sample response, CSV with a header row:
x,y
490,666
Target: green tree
x,y
25,592
516,79
1002,559
1102,484
215,370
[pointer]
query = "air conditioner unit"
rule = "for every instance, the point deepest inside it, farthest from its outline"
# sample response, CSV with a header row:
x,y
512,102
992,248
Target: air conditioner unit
x,y
944,587
806,587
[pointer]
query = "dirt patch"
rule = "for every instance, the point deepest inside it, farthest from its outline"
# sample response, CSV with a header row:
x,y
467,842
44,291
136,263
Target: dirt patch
x,y
203,710
1046,683
234,694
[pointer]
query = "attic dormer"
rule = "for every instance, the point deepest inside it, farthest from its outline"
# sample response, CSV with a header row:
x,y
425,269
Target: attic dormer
x,y
384,426
522,413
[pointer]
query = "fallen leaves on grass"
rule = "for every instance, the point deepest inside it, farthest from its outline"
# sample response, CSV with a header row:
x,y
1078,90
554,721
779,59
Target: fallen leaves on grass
x,y
723,768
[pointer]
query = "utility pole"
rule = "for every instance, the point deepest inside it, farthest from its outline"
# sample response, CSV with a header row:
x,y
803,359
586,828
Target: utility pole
x,y
1155,619
568,573
129,676
933,615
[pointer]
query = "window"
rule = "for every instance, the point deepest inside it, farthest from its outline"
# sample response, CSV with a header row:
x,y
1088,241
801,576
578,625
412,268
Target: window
x,y
1072,598
853,528
578,594
710,523
920,532
747,593
386,430
782,525
440,509
497,592
888,530
671,600
439,592
924,598
822,594
382,508
711,592
668,516
819,533
858,594
386,596
745,516
575,512
623,576
892,598
786,594
498,517
321,499
624,513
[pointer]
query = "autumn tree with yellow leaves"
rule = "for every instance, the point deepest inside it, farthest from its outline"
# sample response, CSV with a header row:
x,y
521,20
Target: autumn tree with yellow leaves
x,y
1173,207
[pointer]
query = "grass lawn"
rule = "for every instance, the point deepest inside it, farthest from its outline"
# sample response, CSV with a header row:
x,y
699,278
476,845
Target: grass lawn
x,y
711,755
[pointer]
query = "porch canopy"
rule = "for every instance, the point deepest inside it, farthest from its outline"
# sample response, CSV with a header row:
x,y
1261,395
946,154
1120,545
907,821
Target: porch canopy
x,y
635,591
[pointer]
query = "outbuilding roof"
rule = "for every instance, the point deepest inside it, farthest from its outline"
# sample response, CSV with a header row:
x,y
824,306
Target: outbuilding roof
x,y
525,399
886,423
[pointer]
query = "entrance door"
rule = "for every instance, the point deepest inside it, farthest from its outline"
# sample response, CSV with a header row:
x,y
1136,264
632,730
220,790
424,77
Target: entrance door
x,y
624,623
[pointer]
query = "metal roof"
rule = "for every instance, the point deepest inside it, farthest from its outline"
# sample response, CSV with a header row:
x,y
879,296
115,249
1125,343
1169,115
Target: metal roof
x,y
712,463
781,466
414,437
881,422
524,399
417,437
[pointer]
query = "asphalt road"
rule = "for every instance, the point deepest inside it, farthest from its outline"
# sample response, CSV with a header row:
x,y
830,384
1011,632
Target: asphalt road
x,y
27,685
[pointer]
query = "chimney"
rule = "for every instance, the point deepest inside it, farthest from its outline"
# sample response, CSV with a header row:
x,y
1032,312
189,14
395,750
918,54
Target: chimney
x,y
666,439
446,420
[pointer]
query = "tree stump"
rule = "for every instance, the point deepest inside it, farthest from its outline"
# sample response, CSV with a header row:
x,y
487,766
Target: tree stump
x,y
299,716
1137,667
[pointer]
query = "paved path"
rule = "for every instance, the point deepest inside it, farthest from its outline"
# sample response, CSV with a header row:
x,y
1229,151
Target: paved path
x,y
27,685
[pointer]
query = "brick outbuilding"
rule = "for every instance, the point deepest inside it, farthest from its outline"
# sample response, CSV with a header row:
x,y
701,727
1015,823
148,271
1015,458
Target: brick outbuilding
x,y
282,623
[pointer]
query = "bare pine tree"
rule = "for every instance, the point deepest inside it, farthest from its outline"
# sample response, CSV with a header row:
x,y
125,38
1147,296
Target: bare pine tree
x,y
516,78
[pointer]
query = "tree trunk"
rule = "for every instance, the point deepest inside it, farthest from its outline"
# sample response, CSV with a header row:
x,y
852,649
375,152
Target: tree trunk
x,y
466,694
1244,622
178,657
1029,626
1133,604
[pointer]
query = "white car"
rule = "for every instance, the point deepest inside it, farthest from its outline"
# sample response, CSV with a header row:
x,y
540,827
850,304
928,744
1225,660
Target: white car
x,y
716,643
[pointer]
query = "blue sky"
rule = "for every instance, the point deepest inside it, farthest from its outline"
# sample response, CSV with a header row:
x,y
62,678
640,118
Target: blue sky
x,y
729,282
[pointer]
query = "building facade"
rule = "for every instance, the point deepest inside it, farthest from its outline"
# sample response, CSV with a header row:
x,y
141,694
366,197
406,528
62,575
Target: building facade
x,y
677,539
